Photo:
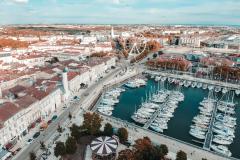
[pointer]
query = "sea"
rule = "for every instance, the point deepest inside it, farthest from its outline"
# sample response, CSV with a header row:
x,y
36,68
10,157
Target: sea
x,y
179,125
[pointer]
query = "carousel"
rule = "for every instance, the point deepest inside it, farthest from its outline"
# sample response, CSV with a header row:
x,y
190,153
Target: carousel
x,y
104,148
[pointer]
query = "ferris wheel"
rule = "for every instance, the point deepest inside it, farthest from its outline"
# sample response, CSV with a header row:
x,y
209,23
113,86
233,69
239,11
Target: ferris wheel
x,y
134,45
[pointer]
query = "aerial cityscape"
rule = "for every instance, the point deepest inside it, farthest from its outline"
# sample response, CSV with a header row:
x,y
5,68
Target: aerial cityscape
x,y
119,80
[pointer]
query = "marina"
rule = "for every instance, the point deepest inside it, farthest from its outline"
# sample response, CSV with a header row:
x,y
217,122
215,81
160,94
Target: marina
x,y
165,120
189,80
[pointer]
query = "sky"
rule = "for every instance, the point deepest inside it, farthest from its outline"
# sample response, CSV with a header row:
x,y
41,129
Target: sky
x,y
216,12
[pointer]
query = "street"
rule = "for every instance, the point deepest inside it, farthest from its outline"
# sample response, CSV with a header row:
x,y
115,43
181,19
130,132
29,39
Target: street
x,y
74,108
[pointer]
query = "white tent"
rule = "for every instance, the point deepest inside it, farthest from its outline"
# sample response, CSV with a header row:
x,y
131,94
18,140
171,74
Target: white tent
x,y
104,145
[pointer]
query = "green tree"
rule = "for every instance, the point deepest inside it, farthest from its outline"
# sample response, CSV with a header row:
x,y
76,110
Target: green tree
x,y
92,123
75,132
59,129
32,155
108,129
158,152
181,155
164,149
42,145
71,145
70,115
60,149
122,134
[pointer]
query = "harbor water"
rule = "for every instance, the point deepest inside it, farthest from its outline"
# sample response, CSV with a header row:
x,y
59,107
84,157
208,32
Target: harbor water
x,y
179,125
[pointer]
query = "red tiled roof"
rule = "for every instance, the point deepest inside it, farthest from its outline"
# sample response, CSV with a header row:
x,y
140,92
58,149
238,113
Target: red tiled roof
x,y
49,71
71,75
56,78
7,110
25,101
216,61
16,89
38,93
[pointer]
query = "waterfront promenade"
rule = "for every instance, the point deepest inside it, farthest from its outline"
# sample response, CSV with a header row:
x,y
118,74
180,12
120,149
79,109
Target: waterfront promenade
x,y
195,79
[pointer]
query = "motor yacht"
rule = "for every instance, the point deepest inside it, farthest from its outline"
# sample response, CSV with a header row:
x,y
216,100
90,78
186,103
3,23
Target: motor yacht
x,y
204,86
187,83
221,149
221,141
157,78
196,135
194,84
181,83
224,131
224,90
199,85
237,92
218,89
211,87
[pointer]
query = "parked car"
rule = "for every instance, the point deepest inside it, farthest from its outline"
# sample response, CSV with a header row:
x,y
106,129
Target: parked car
x,y
29,141
49,122
54,117
9,157
76,98
19,149
37,134
16,151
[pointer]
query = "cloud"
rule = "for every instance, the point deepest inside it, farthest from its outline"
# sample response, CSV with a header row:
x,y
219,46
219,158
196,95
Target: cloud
x,y
116,1
19,1
121,11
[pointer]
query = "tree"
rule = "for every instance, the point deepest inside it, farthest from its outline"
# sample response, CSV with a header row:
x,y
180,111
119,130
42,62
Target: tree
x,y
59,129
71,145
181,155
32,155
122,134
126,154
158,152
70,116
75,132
108,129
144,150
92,123
42,145
13,43
60,149
164,149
